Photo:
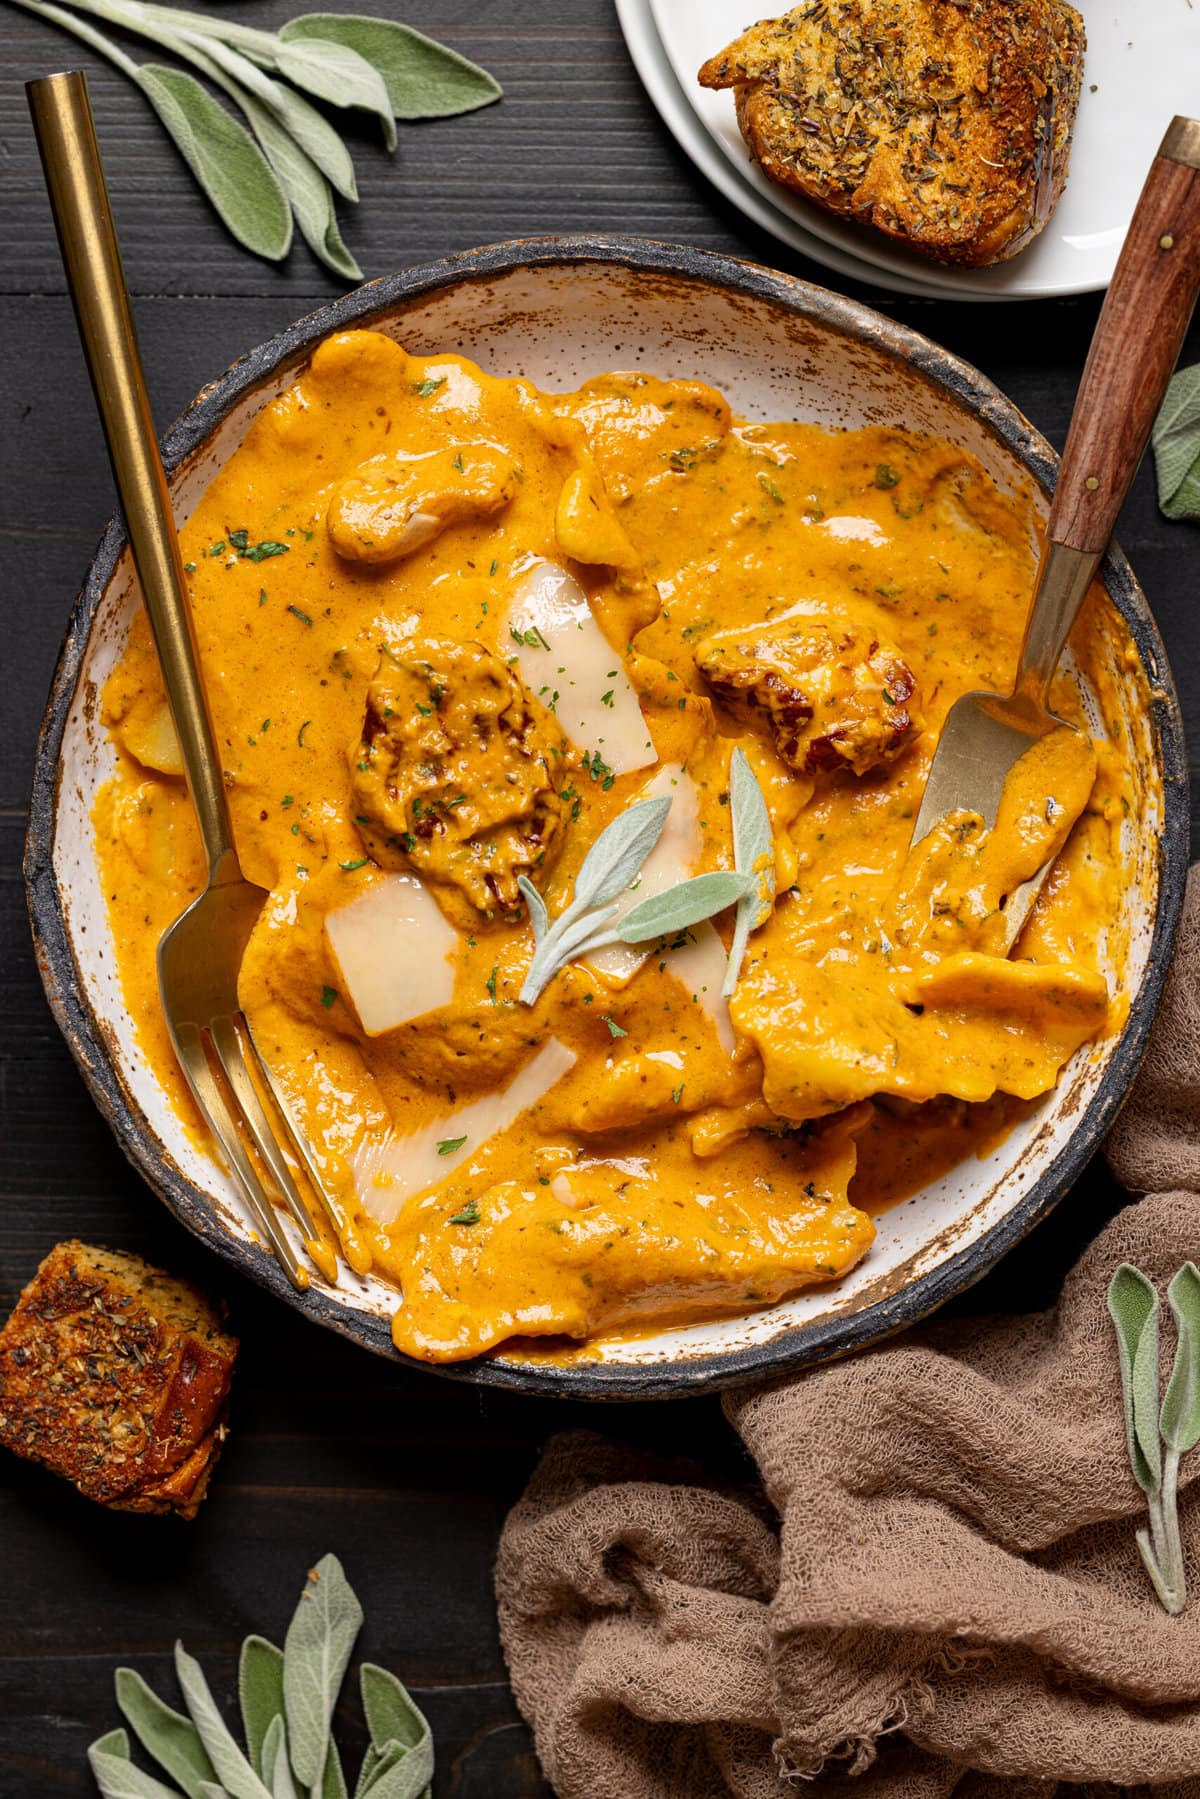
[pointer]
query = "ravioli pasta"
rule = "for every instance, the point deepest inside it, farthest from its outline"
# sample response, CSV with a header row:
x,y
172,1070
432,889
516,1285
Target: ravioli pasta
x,y
451,626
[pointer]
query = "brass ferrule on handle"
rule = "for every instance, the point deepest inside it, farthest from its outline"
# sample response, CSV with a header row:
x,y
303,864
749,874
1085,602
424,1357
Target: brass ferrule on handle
x,y
66,136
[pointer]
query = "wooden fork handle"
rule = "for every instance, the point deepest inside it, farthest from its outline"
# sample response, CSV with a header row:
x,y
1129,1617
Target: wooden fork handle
x,y
1138,337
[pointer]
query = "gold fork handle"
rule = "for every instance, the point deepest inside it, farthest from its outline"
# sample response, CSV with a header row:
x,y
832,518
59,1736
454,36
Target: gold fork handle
x,y
66,136
1137,339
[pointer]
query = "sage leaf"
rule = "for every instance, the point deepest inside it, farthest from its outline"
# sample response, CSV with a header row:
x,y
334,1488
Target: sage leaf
x,y
333,1783
1133,1307
616,857
566,939
316,1651
276,1769
306,188
681,906
398,1773
1179,1422
539,918
244,81
424,79
368,1771
1176,440
260,1693
167,1735
753,854
336,73
118,1777
391,1715
224,158
233,1770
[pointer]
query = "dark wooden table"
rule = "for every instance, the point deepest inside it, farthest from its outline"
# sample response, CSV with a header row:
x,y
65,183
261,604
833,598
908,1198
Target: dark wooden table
x,y
406,1477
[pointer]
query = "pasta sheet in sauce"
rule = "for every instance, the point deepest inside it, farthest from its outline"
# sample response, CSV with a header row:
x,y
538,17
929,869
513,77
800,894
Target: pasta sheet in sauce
x,y
451,628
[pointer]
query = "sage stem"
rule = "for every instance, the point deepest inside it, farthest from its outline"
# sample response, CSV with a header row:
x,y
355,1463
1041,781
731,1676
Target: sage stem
x,y
86,33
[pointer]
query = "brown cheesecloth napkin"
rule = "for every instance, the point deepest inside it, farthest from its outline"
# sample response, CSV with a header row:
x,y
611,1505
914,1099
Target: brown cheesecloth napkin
x,y
951,1601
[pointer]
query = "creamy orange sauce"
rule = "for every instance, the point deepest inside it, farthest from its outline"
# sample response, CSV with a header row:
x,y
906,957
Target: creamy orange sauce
x,y
630,1149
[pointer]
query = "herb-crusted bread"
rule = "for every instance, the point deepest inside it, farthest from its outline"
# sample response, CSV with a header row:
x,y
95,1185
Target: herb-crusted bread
x,y
116,1376
945,124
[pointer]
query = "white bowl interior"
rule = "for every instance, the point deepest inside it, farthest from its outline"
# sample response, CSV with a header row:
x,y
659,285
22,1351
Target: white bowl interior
x,y
559,325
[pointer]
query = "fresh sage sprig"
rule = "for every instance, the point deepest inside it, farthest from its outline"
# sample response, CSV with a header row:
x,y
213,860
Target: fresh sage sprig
x,y
1176,440
753,854
611,866
1157,1438
287,1697
347,60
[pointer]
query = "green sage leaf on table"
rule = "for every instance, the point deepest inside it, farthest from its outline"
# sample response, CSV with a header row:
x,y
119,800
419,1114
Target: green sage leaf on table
x,y
349,60
295,115
400,1736
118,1777
1133,1307
274,1685
424,79
260,1693
1176,440
224,158
306,188
316,1654
277,1771
336,73
234,1772
753,854
333,1784
167,1735
1180,1419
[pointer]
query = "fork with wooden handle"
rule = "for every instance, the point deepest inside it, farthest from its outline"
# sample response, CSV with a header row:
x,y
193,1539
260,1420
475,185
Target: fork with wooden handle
x,y
1137,339
200,956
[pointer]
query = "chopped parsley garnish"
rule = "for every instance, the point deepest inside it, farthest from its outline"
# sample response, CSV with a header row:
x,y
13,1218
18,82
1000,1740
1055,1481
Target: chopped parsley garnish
x,y
302,616
349,867
887,476
328,994
598,769
300,733
448,1145
606,699
469,1213
490,983
677,1093
429,386
768,486
614,1029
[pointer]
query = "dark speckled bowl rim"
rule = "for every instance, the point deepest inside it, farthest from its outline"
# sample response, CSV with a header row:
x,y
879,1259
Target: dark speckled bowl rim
x,y
794,1348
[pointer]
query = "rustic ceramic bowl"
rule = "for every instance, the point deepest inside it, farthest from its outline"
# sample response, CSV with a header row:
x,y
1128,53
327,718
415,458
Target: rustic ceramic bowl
x,y
559,310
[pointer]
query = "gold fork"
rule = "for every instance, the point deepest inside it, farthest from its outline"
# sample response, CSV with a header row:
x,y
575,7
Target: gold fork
x,y
200,955
1138,336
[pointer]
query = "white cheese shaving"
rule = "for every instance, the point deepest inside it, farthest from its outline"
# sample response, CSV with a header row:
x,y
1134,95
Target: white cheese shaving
x,y
394,952
388,1173
566,660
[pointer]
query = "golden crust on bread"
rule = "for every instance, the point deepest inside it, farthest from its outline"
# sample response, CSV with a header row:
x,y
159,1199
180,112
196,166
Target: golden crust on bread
x,y
116,1376
945,124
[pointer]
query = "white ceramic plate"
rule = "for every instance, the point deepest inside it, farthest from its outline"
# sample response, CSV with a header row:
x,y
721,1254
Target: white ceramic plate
x,y
1142,67
559,310
675,109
